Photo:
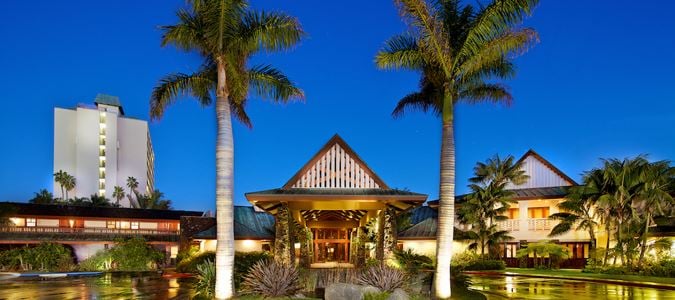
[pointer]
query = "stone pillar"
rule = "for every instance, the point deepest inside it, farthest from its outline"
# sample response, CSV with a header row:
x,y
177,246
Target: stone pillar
x,y
390,234
306,244
379,245
362,239
283,242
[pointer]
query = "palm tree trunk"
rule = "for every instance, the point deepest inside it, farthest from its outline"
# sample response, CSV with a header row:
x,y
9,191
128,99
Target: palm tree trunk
x,y
644,240
609,234
224,188
446,208
63,193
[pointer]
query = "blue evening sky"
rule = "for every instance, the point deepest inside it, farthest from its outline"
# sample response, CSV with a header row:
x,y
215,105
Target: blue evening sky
x,y
599,84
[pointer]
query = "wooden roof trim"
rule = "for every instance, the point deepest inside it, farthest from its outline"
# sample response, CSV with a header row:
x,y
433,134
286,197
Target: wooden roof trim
x,y
336,139
548,164
300,197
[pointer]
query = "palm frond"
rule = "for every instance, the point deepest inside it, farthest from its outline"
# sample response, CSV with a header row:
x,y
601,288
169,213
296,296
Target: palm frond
x,y
270,83
493,53
493,21
418,101
400,52
173,86
271,31
486,92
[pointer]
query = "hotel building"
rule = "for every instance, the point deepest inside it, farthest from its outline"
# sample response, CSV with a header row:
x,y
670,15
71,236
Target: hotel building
x,y
101,148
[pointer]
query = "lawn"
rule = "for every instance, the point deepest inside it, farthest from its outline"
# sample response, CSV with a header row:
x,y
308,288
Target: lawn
x,y
568,273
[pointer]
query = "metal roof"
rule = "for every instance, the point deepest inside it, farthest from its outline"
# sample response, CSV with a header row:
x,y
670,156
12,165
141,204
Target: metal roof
x,y
423,230
248,224
336,191
554,192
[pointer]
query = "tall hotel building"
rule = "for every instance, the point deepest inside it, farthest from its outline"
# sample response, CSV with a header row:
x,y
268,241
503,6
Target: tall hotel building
x,y
102,148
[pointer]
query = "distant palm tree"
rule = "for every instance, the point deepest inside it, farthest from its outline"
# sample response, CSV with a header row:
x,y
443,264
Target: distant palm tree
x,y
132,184
68,183
155,200
118,194
460,52
43,197
226,34
6,211
97,200
59,178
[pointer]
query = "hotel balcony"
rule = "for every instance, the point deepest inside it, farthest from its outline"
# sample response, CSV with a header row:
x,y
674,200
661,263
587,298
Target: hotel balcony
x,y
534,224
89,234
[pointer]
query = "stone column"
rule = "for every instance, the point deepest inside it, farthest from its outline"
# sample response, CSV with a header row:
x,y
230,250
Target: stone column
x,y
283,242
390,234
306,244
362,239
379,245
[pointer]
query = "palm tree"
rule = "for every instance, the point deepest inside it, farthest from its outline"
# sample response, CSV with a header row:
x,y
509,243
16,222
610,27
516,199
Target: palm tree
x,y
68,183
460,52
579,210
43,197
154,200
97,200
489,200
58,177
132,184
623,185
118,194
226,34
656,198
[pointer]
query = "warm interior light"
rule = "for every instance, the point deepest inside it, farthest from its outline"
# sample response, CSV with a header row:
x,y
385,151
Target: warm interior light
x,y
71,222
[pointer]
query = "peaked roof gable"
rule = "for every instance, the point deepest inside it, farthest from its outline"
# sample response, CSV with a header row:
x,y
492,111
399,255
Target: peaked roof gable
x,y
542,173
335,165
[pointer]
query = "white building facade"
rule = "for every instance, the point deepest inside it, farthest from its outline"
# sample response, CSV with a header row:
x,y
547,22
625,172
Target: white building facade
x,y
101,148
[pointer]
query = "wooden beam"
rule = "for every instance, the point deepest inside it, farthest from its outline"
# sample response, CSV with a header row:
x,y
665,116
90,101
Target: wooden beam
x,y
332,224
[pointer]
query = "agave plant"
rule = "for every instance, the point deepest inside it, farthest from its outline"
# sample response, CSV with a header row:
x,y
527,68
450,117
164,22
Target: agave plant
x,y
269,278
206,279
383,277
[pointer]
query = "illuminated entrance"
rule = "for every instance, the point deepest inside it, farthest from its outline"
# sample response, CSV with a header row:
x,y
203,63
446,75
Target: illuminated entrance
x,y
321,213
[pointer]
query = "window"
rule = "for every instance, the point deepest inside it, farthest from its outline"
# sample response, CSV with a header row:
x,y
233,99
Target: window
x,y
110,224
537,212
513,213
508,250
30,222
134,225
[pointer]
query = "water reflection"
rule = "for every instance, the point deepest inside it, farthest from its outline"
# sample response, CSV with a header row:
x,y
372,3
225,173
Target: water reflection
x,y
510,287
108,286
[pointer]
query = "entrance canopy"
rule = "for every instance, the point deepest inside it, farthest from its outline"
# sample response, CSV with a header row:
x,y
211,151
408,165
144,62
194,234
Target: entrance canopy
x,y
335,189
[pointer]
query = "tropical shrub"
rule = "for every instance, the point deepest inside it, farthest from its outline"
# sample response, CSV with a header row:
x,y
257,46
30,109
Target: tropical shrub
x,y
269,278
412,262
471,261
542,250
243,261
383,277
189,264
135,255
185,254
206,279
101,261
127,255
43,257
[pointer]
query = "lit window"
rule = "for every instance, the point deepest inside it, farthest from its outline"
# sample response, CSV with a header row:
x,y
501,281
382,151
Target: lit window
x,y
110,224
30,222
134,225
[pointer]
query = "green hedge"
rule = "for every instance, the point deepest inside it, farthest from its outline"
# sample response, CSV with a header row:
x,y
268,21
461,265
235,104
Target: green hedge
x,y
127,255
43,257
470,261
243,261
189,264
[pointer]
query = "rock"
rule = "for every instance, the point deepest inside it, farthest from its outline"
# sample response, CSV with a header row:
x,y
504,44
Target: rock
x,y
345,291
369,289
398,294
